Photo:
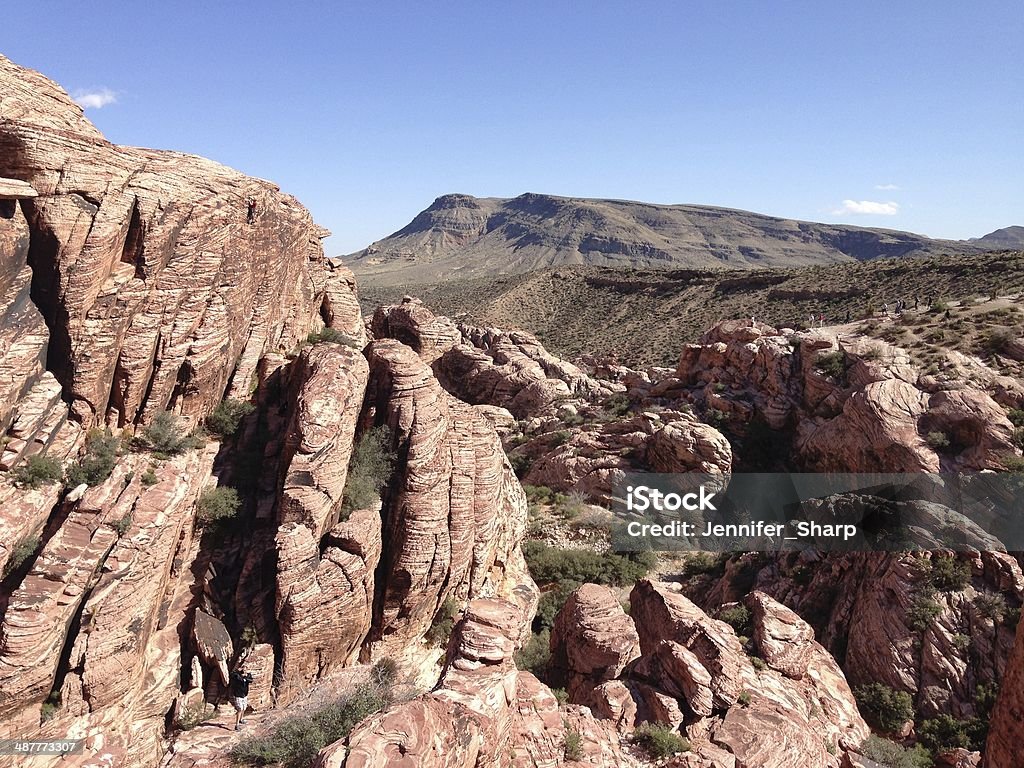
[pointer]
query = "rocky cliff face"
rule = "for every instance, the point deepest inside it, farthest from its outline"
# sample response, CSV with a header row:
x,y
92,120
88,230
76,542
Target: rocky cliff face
x,y
138,283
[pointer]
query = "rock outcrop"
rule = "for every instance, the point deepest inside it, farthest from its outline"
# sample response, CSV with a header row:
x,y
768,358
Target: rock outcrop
x,y
483,711
693,673
1003,744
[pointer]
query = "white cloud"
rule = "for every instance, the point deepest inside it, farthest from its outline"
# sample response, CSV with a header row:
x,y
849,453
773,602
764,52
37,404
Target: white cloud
x,y
887,187
96,98
869,207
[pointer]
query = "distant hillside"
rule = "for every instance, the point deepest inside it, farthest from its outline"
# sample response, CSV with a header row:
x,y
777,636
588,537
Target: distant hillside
x,y
1008,237
645,316
460,236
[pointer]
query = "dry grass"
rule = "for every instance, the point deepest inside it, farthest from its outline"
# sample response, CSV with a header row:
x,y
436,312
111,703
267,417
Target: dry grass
x,y
644,316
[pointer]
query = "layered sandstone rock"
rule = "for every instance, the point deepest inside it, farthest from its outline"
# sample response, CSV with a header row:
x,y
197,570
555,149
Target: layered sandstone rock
x,y
694,674
455,511
1003,744
159,286
483,711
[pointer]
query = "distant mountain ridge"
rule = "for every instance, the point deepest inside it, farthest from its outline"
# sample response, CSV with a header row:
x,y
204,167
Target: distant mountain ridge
x,y
460,236
1007,237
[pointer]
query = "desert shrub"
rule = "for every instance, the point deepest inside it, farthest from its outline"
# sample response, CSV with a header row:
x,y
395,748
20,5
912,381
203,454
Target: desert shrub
x,y
332,336
944,732
759,664
948,574
535,655
1016,416
883,707
716,418
521,464
216,505
659,740
50,707
100,457
1012,463
164,436
700,563
617,404
294,742
937,441
20,553
188,718
369,470
572,505
561,696
573,748
739,618
939,306
225,419
551,602
832,364
122,524
538,494
985,695
997,340
559,438
892,755
384,673
552,564
991,605
744,699
38,470
443,622
961,641
149,478
922,611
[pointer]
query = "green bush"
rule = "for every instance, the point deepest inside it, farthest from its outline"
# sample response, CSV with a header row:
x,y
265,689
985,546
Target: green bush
x,y
38,470
122,524
225,419
739,618
561,696
551,602
444,622
700,563
659,740
832,364
101,452
759,664
949,574
945,732
883,707
744,699
991,605
149,478
937,441
535,655
332,336
216,505
369,470
923,611
617,404
997,340
21,552
892,755
295,742
1016,416
549,564
573,750
164,436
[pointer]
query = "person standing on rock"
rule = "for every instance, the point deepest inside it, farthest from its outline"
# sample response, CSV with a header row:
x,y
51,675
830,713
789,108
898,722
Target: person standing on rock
x,y
240,696
250,216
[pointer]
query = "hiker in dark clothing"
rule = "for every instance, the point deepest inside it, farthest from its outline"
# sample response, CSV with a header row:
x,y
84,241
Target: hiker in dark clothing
x,y
240,696
250,217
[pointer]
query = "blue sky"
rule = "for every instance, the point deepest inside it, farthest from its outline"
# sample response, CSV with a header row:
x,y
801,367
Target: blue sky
x,y
898,114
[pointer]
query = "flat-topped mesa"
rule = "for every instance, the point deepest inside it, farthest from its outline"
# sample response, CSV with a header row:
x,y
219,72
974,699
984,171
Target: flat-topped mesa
x,y
162,277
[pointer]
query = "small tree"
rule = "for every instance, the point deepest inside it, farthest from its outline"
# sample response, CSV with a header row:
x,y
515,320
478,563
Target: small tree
x,y
369,470
884,707
101,452
217,505
227,416
164,436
